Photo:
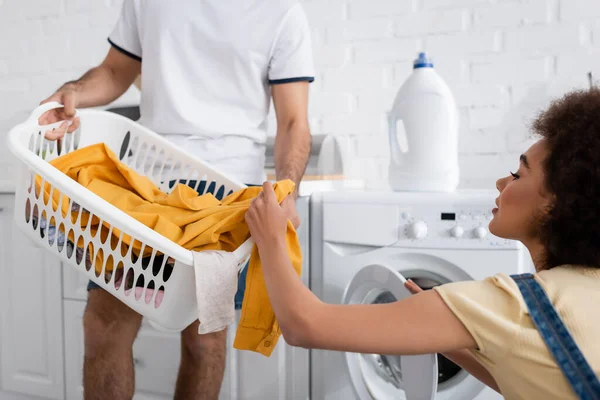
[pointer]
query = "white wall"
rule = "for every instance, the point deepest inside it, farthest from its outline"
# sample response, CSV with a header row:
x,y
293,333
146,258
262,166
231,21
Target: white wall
x,y
503,59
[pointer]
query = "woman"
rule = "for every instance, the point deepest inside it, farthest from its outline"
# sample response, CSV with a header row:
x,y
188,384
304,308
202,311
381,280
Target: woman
x,y
551,204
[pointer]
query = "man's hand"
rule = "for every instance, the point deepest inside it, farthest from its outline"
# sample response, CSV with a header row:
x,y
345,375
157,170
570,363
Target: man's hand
x,y
267,219
100,85
68,97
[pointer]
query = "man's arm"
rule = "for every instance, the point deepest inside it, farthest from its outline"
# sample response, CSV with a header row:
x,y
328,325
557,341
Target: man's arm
x,y
292,143
99,86
106,82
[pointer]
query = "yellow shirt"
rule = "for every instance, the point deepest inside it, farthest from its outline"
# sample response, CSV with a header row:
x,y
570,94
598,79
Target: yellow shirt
x,y
509,345
194,222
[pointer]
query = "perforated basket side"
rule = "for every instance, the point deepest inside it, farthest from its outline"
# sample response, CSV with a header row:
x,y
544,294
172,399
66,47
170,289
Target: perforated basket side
x,y
154,285
159,285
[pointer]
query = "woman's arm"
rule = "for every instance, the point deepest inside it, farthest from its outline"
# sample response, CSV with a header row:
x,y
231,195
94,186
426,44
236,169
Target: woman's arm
x,y
417,325
463,358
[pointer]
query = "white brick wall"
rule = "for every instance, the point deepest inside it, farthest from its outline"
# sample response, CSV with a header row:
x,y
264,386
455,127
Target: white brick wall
x,y
359,30
512,14
578,10
468,43
435,4
503,60
360,9
511,70
384,51
431,22
552,37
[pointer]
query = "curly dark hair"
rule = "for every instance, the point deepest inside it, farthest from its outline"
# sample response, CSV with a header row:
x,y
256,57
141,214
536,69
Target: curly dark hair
x,y
570,232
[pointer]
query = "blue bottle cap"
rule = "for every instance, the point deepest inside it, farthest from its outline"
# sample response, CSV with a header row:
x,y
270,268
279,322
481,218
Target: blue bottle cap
x,y
423,61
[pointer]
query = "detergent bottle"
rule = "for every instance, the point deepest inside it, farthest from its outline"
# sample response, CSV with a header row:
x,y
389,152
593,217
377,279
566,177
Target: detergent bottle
x,y
425,112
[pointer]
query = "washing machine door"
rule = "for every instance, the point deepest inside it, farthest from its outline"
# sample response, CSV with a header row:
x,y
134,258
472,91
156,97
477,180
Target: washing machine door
x,y
387,377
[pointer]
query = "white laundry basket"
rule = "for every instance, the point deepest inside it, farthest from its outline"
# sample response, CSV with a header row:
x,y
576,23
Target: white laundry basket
x,y
168,273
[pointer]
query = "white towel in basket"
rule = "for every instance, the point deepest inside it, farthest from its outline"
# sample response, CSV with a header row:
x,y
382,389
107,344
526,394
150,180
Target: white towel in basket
x,y
216,285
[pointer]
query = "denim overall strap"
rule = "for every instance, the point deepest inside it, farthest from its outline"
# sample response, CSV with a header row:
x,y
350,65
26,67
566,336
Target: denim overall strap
x,y
559,341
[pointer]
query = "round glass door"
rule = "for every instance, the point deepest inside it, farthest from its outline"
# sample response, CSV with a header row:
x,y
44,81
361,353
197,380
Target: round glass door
x,y
380,376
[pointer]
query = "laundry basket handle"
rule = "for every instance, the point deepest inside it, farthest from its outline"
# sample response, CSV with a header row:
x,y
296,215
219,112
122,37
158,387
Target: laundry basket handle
x,y
244,250
44,108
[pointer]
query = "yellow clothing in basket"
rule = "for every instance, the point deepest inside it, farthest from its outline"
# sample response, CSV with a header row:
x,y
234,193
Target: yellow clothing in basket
x,y
194,222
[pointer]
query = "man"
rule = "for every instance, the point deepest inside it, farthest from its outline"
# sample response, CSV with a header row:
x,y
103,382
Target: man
x,y
209,69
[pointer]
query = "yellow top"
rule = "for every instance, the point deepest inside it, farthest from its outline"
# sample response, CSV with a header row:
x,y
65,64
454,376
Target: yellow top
x,y
194,222
509,345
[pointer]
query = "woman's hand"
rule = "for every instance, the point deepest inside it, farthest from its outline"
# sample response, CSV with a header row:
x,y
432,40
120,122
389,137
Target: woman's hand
x,y
267,219
412,287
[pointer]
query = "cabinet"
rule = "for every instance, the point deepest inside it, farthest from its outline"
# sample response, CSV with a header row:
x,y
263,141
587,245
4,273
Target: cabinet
x,y
31,333
41,334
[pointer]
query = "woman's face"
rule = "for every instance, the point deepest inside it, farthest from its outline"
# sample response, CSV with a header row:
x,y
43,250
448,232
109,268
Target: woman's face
x,y
523,198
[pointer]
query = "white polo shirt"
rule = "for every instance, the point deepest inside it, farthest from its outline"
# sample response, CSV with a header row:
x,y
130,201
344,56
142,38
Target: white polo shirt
x,y
207,67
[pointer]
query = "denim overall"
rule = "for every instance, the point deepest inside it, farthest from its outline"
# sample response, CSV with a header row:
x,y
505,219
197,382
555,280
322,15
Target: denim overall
x,y
559,341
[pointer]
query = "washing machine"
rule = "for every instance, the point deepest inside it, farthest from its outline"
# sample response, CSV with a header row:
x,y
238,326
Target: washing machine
x,y
363,244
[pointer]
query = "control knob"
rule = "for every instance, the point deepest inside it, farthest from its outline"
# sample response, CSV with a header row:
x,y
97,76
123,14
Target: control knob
x,y
417,230
457,231
480,232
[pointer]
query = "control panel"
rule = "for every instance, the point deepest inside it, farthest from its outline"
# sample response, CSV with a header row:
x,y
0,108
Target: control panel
x,y
451,226
413,220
